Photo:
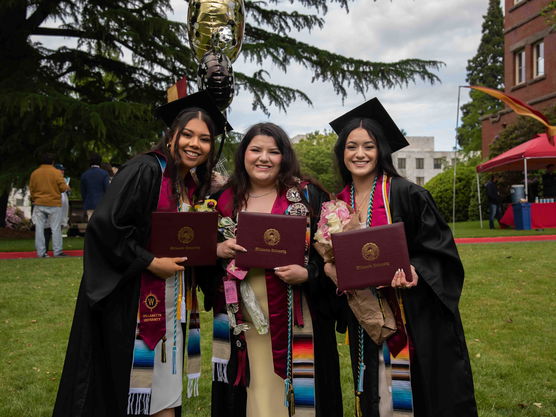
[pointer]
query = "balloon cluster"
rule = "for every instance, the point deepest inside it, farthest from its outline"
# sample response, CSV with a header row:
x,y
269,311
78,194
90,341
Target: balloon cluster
x,y
215,29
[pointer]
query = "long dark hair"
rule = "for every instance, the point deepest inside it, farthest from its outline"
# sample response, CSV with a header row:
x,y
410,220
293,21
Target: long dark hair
x,y
289,167
202,172
373,128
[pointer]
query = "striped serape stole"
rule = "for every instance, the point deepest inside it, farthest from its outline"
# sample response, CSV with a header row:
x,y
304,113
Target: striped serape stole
x,y
139,397
220,347
398,369
193,344
303,356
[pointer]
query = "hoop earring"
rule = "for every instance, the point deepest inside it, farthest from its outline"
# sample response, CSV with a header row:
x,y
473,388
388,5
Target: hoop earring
x,y
168,145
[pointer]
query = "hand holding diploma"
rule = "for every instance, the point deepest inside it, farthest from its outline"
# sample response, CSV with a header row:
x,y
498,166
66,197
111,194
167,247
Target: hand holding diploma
x,y
399,280
292,274
166,267
228,249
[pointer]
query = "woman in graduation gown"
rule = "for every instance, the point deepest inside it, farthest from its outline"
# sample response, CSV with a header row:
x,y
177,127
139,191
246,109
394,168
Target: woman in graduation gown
x,y
428,354
265,367
118,361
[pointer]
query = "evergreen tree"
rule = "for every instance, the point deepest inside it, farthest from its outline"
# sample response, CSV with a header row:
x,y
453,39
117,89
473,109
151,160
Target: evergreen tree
x,y
84,96
316,158
485,69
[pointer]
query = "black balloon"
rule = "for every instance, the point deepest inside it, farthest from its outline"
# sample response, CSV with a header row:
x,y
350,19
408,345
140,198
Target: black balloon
x,y
217,77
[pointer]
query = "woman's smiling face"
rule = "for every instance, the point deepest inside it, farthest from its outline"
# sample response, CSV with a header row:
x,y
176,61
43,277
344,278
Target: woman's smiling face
x,y
194,144
361,153
262,160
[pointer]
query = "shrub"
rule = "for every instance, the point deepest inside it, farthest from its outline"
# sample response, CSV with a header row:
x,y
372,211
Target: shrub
x,y
441,187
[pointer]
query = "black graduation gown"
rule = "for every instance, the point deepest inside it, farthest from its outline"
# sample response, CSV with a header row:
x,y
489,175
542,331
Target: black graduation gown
x,y
95,378
441,379
230,401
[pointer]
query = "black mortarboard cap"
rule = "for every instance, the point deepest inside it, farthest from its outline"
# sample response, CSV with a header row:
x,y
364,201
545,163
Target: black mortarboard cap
x,y
374,110
168,112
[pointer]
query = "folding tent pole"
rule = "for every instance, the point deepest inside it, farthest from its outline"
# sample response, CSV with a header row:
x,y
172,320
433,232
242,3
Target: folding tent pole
x,y
479,198
525,182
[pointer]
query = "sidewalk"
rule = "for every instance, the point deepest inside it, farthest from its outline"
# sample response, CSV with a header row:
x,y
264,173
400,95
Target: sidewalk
x,y
459,241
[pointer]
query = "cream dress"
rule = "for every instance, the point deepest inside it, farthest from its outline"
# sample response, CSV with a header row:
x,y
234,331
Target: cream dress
x,y
265,393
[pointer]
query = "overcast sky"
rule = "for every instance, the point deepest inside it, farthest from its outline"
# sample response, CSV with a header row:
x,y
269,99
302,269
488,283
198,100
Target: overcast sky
x,y
382,31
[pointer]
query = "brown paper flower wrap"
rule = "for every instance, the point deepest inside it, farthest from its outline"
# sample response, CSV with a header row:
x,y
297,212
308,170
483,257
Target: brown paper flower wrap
x,y
371,310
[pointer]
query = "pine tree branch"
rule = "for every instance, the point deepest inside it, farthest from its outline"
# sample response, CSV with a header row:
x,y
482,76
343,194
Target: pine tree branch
x,y
281,22
329,67
273,94
44,9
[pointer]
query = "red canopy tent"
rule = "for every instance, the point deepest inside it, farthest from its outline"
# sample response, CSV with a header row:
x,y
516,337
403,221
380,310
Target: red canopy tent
x,y
536,153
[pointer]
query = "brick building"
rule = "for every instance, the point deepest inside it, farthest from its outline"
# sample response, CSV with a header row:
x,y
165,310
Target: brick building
x,y
529,64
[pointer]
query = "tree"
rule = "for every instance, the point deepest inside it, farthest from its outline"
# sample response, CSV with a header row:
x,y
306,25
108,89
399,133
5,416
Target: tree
x,y
485,69
316,157
549,13
84,96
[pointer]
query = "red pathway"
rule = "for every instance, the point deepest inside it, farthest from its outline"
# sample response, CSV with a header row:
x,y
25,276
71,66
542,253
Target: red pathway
x,y
461,240
499,239
19,255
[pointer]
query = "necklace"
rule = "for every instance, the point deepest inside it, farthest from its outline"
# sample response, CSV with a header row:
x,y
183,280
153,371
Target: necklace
x,y
260,195
371,197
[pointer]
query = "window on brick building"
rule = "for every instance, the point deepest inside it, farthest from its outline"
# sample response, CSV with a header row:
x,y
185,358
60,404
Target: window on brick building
x,y
437,163
538,59
420,180
519,64
419,163
401,163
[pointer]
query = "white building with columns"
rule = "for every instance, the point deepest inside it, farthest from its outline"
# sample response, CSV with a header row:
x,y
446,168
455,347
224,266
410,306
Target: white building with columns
x,y
419,162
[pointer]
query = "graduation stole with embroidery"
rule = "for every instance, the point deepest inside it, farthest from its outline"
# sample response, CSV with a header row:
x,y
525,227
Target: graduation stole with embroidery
x,y
291,335
396,348
151,318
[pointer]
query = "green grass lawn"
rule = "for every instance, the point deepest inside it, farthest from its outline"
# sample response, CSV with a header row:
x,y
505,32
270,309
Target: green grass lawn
x,y
462,229
473,229
507,306
28,245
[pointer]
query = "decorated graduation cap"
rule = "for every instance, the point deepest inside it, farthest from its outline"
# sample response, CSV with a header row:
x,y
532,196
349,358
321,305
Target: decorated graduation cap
x,y
374,110
168,112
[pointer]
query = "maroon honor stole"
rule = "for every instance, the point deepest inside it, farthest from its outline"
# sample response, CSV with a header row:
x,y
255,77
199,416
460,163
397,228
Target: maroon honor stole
x,y
152,299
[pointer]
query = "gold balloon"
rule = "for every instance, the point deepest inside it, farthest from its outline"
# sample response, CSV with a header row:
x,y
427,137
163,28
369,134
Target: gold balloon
x,y
216,25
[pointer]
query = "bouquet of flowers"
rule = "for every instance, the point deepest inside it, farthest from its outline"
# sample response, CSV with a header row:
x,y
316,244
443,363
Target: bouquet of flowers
x,y
372,312
335,216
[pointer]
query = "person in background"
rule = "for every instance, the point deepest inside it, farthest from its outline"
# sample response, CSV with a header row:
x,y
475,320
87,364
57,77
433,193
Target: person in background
x,y
493,200
93,184
46,186
64,212
549,182
108,168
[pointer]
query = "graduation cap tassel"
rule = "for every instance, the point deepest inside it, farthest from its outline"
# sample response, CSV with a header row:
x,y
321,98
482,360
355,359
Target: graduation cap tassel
x,y
358,411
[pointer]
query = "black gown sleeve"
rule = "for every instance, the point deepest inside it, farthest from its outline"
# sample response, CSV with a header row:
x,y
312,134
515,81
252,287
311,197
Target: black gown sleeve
x,y
119,228
321,290
432,249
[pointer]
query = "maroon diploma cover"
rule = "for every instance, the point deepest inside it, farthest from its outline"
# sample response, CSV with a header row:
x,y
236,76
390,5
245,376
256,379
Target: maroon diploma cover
x,y
190,234
370,257
271,240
